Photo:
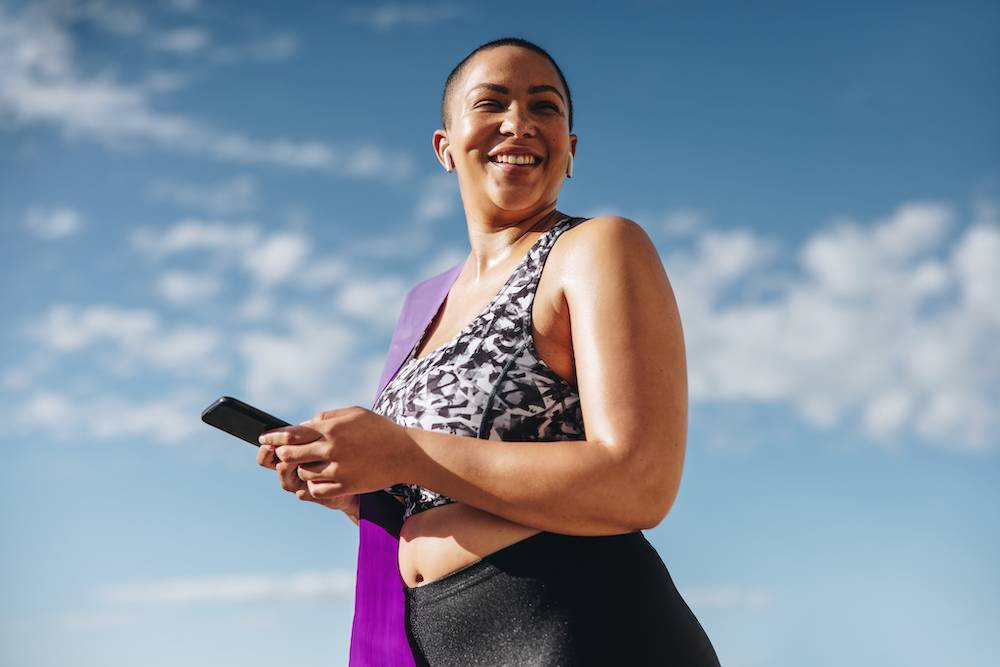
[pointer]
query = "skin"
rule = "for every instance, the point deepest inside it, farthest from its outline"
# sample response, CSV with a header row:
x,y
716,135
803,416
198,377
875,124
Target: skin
x,y
604,318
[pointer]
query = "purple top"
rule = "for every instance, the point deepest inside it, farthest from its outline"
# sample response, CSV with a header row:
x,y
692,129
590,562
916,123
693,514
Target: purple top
x,y
378,636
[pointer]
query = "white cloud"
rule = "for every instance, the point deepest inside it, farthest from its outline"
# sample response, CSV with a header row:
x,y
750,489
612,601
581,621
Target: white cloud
x,y
258,306
181,287
277,259
283,257
40,84
446,258
323,273
276,47
390,16
235,195
163,81
376,299
301,367
683,222
67,329
886,326
438,199
136,337
976,259
194,234
326,584
182,41
81,419
115,17
52,224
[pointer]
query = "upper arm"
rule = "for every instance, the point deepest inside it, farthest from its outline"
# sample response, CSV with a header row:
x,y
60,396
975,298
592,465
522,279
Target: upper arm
x,y
629,350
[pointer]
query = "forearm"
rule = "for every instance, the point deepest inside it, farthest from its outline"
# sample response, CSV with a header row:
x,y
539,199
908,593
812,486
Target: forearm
x,y
576,487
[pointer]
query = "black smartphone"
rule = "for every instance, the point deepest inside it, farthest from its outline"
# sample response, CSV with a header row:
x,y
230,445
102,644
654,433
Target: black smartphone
x,y
237,418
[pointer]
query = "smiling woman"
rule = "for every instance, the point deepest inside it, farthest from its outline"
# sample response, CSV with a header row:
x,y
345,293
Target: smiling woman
x,y
531,421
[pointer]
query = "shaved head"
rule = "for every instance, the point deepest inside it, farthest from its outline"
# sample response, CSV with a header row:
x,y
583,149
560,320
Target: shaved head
x,y
457,74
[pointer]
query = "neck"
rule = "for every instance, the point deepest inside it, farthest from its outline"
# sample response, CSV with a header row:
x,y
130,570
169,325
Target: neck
x,y
494,241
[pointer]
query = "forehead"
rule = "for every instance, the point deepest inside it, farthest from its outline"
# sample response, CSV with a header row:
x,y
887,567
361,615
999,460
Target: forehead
x,y
510,66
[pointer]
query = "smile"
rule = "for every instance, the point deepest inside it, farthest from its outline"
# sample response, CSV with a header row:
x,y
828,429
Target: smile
x,y
511,168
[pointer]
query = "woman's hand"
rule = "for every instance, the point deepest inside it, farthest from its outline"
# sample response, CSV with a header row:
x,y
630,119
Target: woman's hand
x,y
290,481
341,452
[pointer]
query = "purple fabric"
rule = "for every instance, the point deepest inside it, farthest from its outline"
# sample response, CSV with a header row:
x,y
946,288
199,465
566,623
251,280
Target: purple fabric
x,y
378,636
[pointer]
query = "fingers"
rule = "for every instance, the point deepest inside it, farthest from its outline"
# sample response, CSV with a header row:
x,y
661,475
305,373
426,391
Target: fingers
x,y
288,477
325,490
326,414
289,435
325,470
266,457
313,452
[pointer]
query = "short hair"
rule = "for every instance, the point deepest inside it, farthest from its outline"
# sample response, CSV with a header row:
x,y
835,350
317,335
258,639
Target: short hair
x,y
456,73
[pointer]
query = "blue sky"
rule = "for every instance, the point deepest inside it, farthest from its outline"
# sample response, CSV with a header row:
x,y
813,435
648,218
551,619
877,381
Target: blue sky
x,y
227,198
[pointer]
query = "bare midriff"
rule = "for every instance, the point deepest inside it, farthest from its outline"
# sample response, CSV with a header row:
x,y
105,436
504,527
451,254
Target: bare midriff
x,y
438,541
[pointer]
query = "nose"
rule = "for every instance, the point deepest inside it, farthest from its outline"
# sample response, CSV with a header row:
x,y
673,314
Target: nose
x,y
517,122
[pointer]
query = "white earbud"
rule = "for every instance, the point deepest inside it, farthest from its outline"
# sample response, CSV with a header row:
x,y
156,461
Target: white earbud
x,y
448,164
569,167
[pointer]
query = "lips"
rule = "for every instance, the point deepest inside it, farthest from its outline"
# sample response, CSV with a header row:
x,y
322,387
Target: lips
x,y
511,169
510,166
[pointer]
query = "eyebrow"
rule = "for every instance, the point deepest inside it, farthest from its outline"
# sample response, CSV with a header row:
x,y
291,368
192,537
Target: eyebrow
x,y
496,87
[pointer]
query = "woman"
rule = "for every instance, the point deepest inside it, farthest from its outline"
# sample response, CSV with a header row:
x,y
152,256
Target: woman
x,y
521,538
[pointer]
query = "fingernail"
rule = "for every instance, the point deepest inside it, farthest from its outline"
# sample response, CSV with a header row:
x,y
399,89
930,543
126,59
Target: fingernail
x,y
262,439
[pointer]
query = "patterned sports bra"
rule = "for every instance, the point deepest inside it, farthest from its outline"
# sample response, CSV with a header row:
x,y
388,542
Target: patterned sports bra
x,y
488,381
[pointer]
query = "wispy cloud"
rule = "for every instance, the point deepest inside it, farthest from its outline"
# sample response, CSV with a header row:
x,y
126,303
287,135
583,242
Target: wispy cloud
x,y
238,194
377,300
391,16
185,288
439,198
326,584
183,6
83,418
53,223
197,41
195,234
182,41
136,337
41,85
300,362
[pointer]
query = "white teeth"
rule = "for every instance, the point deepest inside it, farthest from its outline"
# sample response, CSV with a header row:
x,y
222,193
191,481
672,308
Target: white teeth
x,y
515,159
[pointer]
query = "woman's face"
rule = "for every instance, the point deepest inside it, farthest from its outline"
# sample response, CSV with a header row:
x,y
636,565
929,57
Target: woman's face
x,y
509,96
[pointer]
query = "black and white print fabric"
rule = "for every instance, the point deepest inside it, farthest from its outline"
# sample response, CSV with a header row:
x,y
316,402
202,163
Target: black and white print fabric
x,y
488,381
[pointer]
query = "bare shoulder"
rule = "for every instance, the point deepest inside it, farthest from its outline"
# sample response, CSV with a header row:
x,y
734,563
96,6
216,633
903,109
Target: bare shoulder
x,y
607,243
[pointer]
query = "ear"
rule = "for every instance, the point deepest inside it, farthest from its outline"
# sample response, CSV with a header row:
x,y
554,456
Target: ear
x,y
572,144
440,141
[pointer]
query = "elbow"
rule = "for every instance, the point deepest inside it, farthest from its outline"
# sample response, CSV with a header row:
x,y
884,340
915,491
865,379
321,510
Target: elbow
x,y
652,489
653,514
656,503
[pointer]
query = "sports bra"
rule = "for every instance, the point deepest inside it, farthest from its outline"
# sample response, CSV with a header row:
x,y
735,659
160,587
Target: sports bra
x,y
488,381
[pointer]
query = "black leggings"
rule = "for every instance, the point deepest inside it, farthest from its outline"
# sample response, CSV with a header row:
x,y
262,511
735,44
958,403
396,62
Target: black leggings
x,y
554,599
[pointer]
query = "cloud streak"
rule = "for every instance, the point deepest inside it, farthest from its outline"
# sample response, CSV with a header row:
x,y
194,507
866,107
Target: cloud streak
x,y
324,584
391,16
40,85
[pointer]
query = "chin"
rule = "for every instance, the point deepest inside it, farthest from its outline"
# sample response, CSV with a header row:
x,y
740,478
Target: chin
x,y
515,201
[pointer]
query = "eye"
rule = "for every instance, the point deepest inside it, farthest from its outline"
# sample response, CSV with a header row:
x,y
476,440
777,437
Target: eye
x,y
487,102
550,105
